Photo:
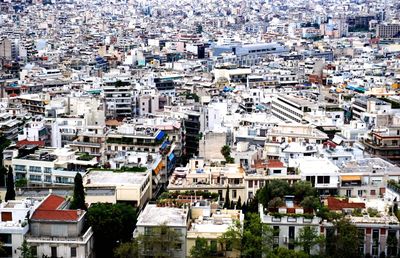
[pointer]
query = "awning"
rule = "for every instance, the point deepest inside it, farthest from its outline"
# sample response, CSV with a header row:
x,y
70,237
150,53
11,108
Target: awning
x,y
351,178
171,156
160,135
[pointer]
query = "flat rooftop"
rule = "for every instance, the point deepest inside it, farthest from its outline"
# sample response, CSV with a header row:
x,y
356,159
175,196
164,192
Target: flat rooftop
x,y
155,216
107,178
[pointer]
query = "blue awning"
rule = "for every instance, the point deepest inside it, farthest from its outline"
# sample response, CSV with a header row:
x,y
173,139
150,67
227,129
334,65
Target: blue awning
x,y
160,135
164,145
171,156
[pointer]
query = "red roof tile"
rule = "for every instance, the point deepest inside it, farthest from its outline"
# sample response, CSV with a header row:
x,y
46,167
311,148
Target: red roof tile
x,y
51,209
336,204
26,142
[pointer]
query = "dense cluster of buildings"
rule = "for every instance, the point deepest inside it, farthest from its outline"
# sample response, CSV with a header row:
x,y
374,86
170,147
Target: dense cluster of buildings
x,y
139,104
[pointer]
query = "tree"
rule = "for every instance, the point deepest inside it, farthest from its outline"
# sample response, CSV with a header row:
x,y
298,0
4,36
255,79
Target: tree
x,y
253,240
111,223
162,241
308,238
310,203
227,200
26,250
201,249
345,242
303,189
10,194
127,250
391,243
78,201
239,204
281,252
275,203
226,151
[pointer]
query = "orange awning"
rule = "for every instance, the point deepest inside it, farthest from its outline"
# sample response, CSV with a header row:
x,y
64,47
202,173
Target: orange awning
x,y
351,178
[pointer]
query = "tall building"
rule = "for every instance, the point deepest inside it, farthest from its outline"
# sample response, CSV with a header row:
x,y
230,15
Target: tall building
x,y
388,31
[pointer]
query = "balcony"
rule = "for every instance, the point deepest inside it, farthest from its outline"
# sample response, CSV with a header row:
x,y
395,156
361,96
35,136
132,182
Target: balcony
x,y
60,240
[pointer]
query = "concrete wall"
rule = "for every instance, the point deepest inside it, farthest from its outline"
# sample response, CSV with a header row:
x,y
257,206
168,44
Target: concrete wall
x,y
210,146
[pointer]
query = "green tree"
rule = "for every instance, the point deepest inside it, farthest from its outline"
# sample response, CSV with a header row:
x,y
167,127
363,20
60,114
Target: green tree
x,y
275,203
391,243
308,238
239,204
26,250
226,151
201,249
78,201
281,252
10,194
310,203
253,240
127,250
162,241
227,202
112,224
303,189
345,242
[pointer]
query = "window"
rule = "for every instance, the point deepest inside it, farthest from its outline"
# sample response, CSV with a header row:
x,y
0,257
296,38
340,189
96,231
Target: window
x,y
20,168
5,238
53,252
323,179
373,192
6,216
47,170
360,192
234,194
375,241
73,251
35,169
34,250
147,230
250,183
213,246
276,171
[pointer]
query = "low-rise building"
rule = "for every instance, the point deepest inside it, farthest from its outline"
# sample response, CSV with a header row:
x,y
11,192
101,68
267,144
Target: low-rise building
x,y
210,223
175,219
116,186
57,231
14,224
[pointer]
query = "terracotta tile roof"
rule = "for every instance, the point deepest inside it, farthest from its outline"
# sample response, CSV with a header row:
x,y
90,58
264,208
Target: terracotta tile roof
x,y
51,209
275,164
336,204
26,142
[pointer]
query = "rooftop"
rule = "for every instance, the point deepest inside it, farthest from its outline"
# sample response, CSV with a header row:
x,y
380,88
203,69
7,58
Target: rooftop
x,y
108,178
155,216
54,208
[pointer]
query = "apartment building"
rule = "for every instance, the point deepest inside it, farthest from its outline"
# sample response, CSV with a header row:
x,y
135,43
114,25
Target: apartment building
x,y
326,181
199,176
384,143
291,108
295,133
375,226
132,187
387,31
367,178
14,224
211,223
288,223
57,231
51,166
175,219
118,97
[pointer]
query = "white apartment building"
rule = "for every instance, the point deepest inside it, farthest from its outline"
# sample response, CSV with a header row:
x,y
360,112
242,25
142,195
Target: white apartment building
x,y
108,186
51,166
14,224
